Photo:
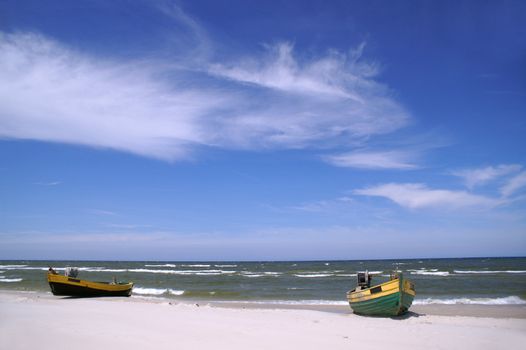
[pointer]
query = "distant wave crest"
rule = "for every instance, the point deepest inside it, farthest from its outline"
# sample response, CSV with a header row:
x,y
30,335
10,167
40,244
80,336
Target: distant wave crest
x,y
487,271
156,291
430,273
11,280
511,300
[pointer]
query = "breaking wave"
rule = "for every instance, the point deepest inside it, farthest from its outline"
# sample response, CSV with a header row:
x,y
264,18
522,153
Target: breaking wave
x,y
11,267
430,272
511,300
156,291
314,275
486,271
287,302
11,280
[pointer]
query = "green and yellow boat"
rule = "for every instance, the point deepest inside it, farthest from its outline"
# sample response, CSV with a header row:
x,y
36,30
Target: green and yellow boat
x,y
391,298
69,285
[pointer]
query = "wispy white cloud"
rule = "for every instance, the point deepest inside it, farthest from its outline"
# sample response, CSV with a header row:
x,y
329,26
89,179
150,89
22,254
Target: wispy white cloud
x,y
52,183
50,92
190,39
102,212
281,70
324,205
514,184
395,159
417,196
481,176
319,99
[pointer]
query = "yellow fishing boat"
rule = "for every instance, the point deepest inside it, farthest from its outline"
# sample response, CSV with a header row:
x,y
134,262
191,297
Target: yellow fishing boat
x,y
69,285
391,298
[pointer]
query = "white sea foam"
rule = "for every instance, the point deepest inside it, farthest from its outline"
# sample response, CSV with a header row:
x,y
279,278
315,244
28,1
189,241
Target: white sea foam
x,y
511,300
225,265
10,267
185,272
289,302
487,271
22,267
271,273
314,275
100,269
430,273
156,291
163,265
11,280
197,265
252,275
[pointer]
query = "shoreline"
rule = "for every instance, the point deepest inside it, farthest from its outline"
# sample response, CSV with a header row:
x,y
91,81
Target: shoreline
x,y
461,310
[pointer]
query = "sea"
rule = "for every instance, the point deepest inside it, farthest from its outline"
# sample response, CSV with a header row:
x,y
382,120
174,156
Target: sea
x,y
483,281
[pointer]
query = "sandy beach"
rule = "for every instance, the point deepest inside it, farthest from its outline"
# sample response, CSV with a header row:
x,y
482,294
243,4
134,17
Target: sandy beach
x,y
39,320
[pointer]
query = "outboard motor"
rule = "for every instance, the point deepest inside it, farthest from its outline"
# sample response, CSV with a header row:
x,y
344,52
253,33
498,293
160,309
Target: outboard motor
x,y
364,280
72,272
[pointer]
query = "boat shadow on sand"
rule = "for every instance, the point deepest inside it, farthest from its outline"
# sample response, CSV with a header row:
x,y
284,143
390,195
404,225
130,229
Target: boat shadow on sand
x,y
405,316
69,297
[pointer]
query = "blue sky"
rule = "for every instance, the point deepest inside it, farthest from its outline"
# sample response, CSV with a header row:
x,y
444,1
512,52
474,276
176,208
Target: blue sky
x,y
251,130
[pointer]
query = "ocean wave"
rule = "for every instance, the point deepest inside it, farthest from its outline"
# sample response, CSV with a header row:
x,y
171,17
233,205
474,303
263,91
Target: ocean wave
x,y
225,265
185,272
430,273
260,274
10,267
314,275
511,300
156,291
99,269
11,280
487,271
252,275
162,265
22,267
196,265
287,302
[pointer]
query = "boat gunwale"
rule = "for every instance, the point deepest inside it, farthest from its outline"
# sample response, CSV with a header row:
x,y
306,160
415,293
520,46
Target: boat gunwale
x,y
393,281
100,286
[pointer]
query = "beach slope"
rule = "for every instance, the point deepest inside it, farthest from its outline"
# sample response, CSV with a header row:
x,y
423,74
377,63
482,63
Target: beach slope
x,y
39,321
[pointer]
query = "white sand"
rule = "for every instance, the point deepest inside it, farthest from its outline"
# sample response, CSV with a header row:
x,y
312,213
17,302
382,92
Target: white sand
x,y
38,321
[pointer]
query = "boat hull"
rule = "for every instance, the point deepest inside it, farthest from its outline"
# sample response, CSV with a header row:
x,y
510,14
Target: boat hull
x,y
392,298
63,285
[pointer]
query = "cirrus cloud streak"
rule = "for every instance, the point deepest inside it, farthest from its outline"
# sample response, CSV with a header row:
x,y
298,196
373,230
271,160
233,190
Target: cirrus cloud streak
x,y
401,160
160,109
419,196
